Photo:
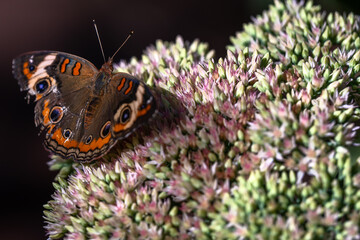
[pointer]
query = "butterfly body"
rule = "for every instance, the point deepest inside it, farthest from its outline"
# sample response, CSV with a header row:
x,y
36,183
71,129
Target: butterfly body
x,y
85,110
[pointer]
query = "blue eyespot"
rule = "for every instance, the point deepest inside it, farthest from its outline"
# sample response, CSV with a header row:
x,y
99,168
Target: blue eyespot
x,y
31,68
142,106
89,139
56,114
42,85
67,133
125,115
105,129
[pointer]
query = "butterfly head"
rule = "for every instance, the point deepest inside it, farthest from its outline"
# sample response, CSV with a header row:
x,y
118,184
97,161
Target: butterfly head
x,y
107,67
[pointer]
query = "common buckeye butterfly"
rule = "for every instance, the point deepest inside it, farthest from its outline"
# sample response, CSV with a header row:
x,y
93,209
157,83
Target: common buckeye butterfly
x,y
85,110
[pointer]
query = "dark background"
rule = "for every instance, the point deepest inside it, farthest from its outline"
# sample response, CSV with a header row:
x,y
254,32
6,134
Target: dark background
x,y
25,181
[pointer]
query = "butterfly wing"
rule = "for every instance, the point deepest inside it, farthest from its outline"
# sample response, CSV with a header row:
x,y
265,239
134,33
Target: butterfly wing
x,y
133,104
42,72
78,135
62,84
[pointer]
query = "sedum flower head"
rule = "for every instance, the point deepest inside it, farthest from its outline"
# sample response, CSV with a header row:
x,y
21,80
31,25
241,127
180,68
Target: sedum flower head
x,y
258,144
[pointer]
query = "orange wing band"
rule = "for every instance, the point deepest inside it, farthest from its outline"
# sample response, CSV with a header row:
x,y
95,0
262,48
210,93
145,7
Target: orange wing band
x,y
129,88
76,69
64,64
121,85
69,143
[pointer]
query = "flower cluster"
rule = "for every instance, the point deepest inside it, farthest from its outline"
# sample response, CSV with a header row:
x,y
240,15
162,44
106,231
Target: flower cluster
x,y
255,145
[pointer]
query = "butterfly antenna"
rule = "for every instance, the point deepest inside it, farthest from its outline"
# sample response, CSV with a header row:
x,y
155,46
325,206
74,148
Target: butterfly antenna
x,y
98,36
127,38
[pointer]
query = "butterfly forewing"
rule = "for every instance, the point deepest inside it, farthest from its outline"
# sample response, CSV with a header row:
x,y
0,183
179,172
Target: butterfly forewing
x,y
44,71
132,104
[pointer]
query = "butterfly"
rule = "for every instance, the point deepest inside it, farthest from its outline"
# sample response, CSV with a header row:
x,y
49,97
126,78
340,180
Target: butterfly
x,y
85,111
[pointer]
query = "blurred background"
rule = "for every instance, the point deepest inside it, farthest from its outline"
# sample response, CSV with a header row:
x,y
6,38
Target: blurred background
x,y
25,181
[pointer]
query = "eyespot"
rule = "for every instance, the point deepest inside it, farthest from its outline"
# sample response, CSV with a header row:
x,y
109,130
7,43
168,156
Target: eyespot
x,y
56,114
105,130
67,133
31,68
125,114
42,85
89,139
142,106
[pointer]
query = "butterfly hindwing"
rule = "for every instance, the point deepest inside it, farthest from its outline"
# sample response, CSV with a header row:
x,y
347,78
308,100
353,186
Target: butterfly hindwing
x,y
85,135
